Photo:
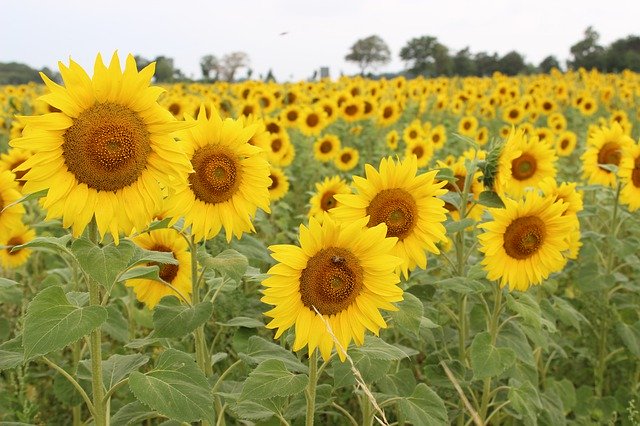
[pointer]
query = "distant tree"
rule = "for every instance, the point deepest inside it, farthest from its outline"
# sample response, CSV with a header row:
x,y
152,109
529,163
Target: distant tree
x,y
624,54
587,53
548,64
231,63
369,52
463,64
164,69
485,64
141,62
270,76
208,64
420,55
512,64
16,73
443,63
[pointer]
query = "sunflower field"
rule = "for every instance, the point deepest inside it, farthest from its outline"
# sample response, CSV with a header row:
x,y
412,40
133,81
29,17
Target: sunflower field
x,y
353,252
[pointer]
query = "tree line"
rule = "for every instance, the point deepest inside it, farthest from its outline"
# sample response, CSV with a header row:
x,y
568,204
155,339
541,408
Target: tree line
x,y
427,56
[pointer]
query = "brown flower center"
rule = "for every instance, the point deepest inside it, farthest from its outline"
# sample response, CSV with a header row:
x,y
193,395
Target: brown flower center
x,y
331,281
395,207
274,182
327,201
524,236
351,110
273,127
276,144
513,114
292,116
413,134
564,143
418,151
387,112
523,167
609,154
217,175
313,120
167,272
635,174
326,147
345,158
174,108
13,241
107,147
435,138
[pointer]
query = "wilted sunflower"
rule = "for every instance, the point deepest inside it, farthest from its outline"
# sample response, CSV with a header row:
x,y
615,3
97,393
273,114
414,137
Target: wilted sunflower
x,y
326,148
347,159
605,146
18,235
405,201
178,276
524,163
525,241
10,217
345,271
323,200
107,153
630,178
230,180
279,183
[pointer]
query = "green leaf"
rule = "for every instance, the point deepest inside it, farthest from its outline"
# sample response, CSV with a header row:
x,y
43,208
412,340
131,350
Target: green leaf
x,y
158,224
371,369
229,263
526,401
133,413
6,283
271,378
462,285
486,359
139,272
11,353
528,308
117,367
259,350
54,244
564,390
630,335
424,407
52,322
409,315
401,383
243,322
175,388
456,226
376,348
255,410
174,319
116,325
446,174
28,197
490,199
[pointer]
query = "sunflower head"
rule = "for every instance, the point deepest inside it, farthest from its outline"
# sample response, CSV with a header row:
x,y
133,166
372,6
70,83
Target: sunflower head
x,y
324,199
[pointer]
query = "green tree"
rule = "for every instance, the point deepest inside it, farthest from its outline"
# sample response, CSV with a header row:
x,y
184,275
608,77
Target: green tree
x,y
369,52
587,53
208,64
231,63
485,64
512,64
420,55
463,64
548,64
624,54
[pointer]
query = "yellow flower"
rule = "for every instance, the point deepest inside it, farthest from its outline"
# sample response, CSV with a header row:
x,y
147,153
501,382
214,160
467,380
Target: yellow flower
x,y
326,148
605,146
18,235
279,183
347,159
630,178
10,217
343,271
323,199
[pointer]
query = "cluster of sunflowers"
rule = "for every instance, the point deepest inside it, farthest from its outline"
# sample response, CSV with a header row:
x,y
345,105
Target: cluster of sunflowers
x,y
105,150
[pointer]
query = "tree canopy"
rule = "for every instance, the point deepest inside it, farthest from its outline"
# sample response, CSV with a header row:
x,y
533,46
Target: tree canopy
x,y
369,52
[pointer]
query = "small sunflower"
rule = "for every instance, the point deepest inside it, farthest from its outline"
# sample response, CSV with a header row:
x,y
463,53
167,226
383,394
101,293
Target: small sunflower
x,y
421,149
468,126
326,148
347,159
388,113
413,132
566,143
230,180
108,153
13,159
323,199
18,235
513,114
406,201
312,121
345,272
438,137
10,217
279,183
392,139
525,241
630,178
352,109
605,145
178,276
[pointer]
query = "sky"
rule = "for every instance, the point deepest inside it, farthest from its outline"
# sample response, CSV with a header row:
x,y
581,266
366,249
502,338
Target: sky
x,y
294,38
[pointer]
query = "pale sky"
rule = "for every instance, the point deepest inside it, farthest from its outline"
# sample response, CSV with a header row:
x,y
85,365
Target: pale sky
x,y
318,33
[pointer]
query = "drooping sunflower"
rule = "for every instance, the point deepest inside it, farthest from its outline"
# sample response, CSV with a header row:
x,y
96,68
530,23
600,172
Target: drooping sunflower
x,y
178,276
324,199
16,236
230,180
326,148
605,145
347,159
10,217
279,183
630,178
107,153
406,201
524,163
345,272
525,241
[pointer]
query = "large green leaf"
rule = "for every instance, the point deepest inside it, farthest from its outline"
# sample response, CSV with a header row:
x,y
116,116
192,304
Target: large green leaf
x,y
175,388
52,322
259,350
409,314
488,360
424,407
174,319
11,354
376,348
115,368
133,413
229,263
271,378
54,244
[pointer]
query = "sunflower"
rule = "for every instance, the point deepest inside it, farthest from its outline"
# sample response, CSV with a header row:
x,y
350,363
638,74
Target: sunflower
x,y
407,202
413,132
459,170
605,146
468,126
392,139
421,149
524,163
10,217
108,153
323,199
352,109
566,143
326,148
630,178
588,106
347,159
279,183
176,104
513,114
341,276
277,147
388,113
230,179
13,159
567,193
312,121
178,276
438,137
290,116
525,241
482,136
18,235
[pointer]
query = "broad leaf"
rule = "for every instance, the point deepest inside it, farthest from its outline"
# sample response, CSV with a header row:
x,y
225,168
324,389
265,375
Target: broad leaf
x,y
117,367
259,350
174,319
409,315
424,407
488,360
133,413
242,322
376,348
52,322
271,378
54,244
11,354
175,388
229,263
490,199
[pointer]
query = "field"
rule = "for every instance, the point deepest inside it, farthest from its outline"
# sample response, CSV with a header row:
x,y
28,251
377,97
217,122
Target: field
x,y
407,251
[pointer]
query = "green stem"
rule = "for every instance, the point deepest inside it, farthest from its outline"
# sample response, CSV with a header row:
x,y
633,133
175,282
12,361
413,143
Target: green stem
x,y
310,392
75,384
493,331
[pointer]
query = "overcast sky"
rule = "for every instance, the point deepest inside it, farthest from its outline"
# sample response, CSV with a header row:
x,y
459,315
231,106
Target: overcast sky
x,y
296,37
